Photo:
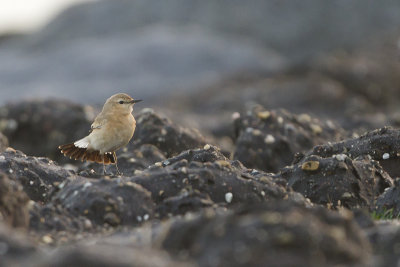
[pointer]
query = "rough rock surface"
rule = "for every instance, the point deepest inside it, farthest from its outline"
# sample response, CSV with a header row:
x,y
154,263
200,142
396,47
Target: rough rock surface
x,y
38,176
161,132
203,175
338,180
38,127
268,140
13,202
114,202
277,233
382,145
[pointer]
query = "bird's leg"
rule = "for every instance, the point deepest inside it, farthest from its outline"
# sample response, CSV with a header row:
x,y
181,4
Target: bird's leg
x,y
104,165
116,164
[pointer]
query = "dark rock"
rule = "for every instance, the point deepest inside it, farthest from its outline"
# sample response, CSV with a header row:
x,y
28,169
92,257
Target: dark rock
x,y
39,127
13,202
111,255
222,180
385,238
3,142
15,247
38,176
277,233
338,181
113,202
162,133
381,144
389,201
268,140
53,218
184,202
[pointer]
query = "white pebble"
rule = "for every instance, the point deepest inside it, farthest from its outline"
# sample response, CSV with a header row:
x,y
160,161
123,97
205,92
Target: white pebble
x,y
386,156
146,217
87,184
31,182
139,218
249,130
10,171
2,158
235,115
207,147
228,197
269,139
340,157
158,164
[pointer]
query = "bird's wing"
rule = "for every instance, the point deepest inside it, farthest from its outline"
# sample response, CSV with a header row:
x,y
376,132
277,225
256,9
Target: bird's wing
x,y
97,124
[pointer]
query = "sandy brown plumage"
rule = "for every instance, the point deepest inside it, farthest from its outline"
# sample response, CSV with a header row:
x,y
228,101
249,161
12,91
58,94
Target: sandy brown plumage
x,y
112,129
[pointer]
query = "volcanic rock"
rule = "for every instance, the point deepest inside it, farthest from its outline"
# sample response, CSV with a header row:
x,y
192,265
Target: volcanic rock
x,y
268,140
338,180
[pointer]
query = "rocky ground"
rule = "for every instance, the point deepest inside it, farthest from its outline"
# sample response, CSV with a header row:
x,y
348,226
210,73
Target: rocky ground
x,y
288,189
269,145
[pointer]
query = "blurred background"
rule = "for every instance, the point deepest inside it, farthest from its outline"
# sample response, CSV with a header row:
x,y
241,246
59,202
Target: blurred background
x,y
200,60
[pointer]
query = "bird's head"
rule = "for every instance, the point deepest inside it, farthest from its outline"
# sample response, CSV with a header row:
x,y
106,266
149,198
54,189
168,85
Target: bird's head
x,y
120,103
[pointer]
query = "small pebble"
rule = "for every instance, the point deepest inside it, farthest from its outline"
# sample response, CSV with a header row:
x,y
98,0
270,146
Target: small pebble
x,y
87,184
385,156
340,157
158,164
47,239
228,197
310,166
235,115
269,139
207,147
146,217
264,114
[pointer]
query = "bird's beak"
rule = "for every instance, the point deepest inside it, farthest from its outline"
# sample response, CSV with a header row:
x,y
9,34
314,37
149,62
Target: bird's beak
x,y
135,101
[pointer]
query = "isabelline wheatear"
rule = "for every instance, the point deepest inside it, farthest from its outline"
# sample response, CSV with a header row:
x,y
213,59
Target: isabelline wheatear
x,y
112,129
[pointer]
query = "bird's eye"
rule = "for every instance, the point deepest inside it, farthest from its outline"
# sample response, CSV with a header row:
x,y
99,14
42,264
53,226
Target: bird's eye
x,y
121,102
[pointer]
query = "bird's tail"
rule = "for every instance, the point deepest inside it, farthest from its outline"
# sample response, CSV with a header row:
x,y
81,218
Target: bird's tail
x,y
79,153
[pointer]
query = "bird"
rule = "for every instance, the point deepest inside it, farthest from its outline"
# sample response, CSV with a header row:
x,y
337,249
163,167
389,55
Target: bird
x,y
111,130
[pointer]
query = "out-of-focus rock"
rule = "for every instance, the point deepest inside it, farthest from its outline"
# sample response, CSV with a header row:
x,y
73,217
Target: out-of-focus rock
x,y
113,202
38,127
13,202
111,255
338,181
162,133
38,176
3,142
389,201
15,247
264,21
381,145
268,140
278,233
384,237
